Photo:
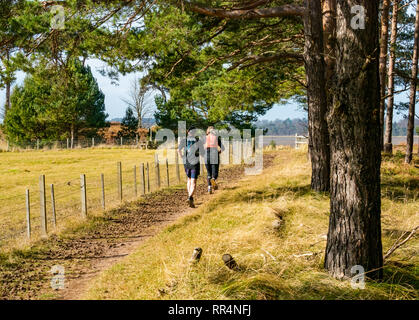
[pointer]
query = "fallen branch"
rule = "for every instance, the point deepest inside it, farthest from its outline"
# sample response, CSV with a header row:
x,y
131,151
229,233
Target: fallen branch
x,y
398,244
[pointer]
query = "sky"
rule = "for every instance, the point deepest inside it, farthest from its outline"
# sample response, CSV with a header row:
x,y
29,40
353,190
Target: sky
x,y
115,107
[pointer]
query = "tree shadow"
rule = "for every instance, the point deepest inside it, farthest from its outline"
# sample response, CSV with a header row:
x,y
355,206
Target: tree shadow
x,y
273,192
401,282
399,189
402,273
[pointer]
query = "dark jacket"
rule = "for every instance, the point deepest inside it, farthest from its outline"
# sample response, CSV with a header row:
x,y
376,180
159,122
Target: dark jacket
x,y
192,149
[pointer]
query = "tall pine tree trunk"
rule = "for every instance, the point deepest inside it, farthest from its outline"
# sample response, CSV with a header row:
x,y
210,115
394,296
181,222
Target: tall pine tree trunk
x,y
329,35
388,145
8,90
354,236
7,105
316,95
411,119
72,136
383,65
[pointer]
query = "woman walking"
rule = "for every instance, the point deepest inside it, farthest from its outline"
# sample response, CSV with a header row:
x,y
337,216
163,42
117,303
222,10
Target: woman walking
x,y
213,149
190,147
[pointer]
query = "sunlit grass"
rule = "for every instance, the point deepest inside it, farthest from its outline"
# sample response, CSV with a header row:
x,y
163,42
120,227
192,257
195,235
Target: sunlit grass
x,y
21,170
274,264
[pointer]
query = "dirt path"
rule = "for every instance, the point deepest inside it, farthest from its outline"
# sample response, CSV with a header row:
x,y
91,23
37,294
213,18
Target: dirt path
x,y
86,253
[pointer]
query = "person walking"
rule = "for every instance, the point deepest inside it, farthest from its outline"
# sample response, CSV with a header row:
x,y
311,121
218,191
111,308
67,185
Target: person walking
x,y
189,152
213,149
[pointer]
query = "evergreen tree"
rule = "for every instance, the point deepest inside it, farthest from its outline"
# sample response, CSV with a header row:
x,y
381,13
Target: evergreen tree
x,y
56,103
129,125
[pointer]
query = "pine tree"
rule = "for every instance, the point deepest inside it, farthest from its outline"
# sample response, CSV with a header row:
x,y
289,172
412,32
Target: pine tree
x,y
129,125
56,103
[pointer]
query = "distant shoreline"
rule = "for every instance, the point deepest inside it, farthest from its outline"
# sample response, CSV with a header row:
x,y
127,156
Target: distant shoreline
x,y
290,140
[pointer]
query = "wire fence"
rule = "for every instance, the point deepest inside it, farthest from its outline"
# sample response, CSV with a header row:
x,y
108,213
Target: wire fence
x,y
98,141
49,207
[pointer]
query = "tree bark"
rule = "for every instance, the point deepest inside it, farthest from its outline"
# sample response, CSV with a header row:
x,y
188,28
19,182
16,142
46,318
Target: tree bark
x,y
8,91
7,105
411,118
383,66
329,36
388,146
354,236
72,136
316,97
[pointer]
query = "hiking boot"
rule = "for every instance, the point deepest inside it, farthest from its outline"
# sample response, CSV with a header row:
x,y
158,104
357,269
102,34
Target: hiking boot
x,y
214,184
191,203
209,190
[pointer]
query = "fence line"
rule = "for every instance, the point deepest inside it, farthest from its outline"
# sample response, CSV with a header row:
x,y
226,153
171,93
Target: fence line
x,y
101,192
94,142
92,195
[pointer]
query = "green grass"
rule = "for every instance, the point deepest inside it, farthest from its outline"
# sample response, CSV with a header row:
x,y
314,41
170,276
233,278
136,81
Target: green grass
x,y
272,264
21,170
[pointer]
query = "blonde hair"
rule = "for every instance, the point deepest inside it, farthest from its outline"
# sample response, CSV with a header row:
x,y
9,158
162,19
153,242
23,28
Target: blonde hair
x,y
210,128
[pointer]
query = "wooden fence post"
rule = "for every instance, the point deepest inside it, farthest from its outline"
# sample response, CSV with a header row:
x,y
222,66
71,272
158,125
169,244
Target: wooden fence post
x,y
167,173
120,181
83,196
142,179
102,180
28,214
135,181
37,144
54,214
68,143
93,142
148,177
122,141
157,172
177,167
44,224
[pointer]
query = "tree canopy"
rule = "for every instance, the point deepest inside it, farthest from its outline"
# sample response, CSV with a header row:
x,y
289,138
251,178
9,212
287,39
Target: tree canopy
x,y
56,103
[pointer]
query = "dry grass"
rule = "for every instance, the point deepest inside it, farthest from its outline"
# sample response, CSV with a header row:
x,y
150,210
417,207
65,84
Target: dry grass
x,y
274,264
21,170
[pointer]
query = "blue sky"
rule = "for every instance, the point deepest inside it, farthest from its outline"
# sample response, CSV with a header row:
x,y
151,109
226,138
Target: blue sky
x,y
115,107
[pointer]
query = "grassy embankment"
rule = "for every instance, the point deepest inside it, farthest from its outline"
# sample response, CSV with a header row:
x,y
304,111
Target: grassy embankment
x,y
284,264
21,170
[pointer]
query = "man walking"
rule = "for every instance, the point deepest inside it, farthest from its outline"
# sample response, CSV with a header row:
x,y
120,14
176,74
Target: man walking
x,y
189,151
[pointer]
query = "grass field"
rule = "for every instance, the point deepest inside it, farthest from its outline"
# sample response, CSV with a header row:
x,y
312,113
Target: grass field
x,y
274,264
21,170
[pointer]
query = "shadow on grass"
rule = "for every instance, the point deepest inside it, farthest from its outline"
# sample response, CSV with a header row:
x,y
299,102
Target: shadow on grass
x,y
398,283
273,192
399,189
399,182
406,274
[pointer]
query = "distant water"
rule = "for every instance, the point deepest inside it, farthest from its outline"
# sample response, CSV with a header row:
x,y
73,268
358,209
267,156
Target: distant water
x,y
290,140
279,140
